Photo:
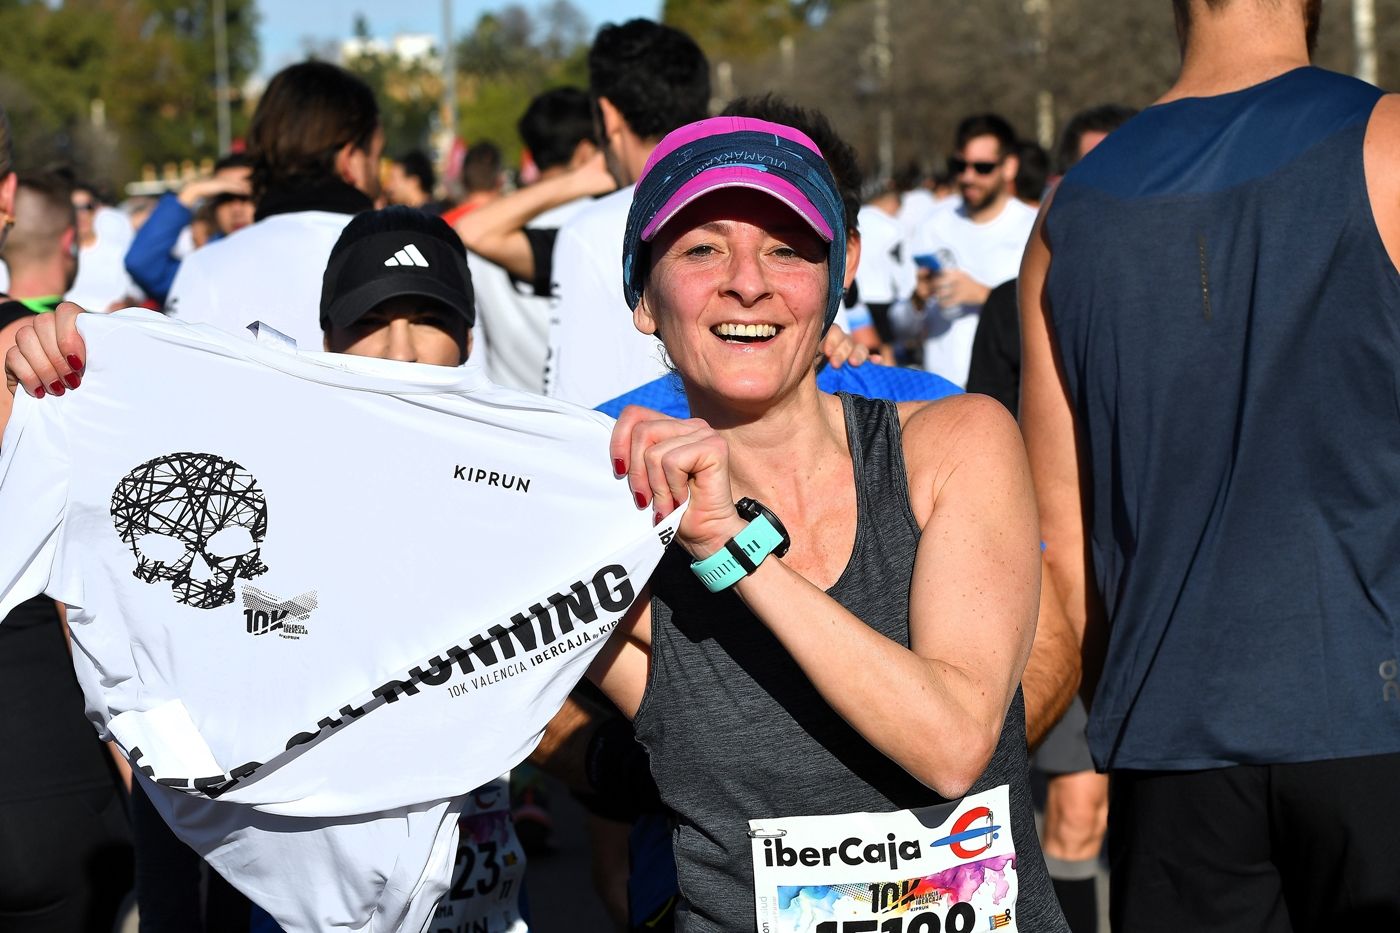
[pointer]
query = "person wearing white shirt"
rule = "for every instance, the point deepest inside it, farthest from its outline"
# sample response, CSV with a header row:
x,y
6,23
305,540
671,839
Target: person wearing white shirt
x,y
962,254
299,854
103,237
646,79
316,141
885,273
511,239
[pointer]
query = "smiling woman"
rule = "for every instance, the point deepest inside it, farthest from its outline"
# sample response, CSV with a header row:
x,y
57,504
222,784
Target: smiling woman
x,y
845,642
732,282
834,659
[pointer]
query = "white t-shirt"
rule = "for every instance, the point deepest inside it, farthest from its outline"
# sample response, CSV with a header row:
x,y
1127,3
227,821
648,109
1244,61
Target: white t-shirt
x,y
302,570
511,335
884,274
917,205
102,279
595,353
270,272
988,252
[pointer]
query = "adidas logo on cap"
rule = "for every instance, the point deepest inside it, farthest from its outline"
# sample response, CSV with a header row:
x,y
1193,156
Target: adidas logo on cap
x,y
408,256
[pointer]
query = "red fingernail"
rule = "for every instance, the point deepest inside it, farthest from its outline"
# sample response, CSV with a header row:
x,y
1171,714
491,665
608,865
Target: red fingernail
x,y
656,518
39,392
641,500
56,388
74,362
619,466
73,380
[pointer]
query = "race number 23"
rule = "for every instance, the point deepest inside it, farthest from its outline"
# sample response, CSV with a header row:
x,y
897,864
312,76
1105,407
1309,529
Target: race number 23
x,y
961,919
462,889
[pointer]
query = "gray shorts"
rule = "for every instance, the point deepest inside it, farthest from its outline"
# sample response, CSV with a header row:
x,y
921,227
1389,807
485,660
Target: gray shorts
x,y
1066,747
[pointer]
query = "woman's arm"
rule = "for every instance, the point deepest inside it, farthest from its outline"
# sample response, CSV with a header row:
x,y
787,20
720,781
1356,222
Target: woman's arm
x,y
620,668
937,707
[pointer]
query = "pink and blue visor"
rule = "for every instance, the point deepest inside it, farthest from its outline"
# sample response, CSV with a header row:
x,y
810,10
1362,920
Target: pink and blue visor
x,y
735,152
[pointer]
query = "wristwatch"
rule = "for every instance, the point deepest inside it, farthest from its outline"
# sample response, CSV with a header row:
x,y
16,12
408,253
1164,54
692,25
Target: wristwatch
x,y
742,553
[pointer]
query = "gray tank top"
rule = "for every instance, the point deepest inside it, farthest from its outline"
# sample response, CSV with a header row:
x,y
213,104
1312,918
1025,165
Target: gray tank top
x,y
736,731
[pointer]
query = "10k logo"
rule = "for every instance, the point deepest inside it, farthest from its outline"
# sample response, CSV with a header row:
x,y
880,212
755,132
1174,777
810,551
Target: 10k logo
x,y
262,621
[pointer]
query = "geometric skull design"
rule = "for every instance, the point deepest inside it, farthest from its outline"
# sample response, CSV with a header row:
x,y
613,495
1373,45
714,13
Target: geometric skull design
x,y
196,520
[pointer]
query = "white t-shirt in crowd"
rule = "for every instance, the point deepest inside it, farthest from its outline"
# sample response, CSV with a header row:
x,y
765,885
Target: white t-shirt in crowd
x,y
595,353
270,272
988,252
511,335
102,280
919,204
884,274
291,575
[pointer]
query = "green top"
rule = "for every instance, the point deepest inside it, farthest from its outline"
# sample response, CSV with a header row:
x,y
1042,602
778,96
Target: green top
x,y
41,305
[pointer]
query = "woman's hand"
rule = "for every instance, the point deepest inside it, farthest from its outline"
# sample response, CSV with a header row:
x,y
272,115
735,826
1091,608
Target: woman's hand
x,y
667,462
49,355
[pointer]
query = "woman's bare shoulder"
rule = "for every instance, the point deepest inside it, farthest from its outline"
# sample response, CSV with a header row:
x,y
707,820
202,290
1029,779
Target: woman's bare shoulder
x,y
957,433
951,418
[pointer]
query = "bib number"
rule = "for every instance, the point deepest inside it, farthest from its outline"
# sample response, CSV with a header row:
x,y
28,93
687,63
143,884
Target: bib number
x,y
944,869
961,918
486,880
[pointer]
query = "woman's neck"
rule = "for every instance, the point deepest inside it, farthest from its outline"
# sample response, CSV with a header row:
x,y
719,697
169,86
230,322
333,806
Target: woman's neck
x,y
785,447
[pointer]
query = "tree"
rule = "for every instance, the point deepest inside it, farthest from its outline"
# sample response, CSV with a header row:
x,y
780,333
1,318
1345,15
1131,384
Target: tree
x,y
735,30
954,58
408,90
111,84
743,30
507,59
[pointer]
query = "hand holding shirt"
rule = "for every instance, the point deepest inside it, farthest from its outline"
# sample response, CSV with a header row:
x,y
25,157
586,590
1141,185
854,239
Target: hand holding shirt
x,y
288,585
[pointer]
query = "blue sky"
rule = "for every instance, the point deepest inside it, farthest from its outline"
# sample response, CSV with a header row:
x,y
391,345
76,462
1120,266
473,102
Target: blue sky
x,y
286,22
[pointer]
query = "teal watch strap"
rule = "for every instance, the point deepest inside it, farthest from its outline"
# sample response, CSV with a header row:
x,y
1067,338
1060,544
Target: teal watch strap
x,y
739,557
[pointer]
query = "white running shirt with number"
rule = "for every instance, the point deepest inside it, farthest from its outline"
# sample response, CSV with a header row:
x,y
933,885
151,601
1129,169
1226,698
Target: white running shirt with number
x,y
290,575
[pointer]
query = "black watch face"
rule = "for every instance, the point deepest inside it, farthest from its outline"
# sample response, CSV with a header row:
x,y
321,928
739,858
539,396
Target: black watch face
x,y
749,509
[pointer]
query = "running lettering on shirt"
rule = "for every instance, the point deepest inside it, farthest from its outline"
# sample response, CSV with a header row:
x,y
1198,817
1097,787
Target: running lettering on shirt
x,y
284,594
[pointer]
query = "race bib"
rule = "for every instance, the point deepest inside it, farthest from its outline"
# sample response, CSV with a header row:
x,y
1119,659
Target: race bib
x,y
944,869
486,881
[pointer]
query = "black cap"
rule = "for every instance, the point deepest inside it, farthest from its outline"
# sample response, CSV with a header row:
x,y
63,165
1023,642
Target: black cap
x,y
391,253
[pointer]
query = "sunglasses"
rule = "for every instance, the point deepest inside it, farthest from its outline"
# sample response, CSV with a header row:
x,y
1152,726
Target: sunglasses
x,y
84,206
958,166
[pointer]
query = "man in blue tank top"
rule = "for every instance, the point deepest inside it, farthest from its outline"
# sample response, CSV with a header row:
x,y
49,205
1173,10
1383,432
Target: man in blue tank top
x,y
1211,326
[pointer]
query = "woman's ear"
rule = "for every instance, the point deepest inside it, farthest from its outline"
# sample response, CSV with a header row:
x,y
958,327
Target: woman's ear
x,y
643,319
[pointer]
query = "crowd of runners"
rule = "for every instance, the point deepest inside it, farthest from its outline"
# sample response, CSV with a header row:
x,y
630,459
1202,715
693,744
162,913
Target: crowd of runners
x,y
1020,520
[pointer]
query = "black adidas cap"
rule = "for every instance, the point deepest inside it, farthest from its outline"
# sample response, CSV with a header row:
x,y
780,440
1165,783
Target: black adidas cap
x,y
391,253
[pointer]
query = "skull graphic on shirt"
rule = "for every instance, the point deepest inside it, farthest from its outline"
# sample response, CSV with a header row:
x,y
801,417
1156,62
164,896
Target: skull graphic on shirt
x,y
195,520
